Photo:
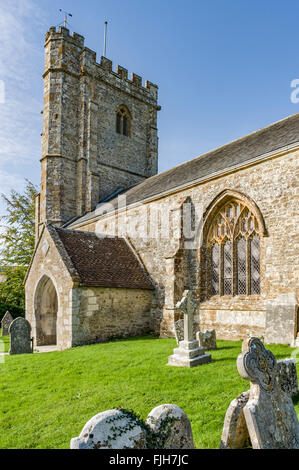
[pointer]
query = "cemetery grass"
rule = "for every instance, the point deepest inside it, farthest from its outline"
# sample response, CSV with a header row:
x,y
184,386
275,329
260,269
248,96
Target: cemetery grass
x,y
4,345
46,399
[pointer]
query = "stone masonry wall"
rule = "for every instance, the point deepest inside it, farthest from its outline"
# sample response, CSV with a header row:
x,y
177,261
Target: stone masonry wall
x,y
273,185
101,313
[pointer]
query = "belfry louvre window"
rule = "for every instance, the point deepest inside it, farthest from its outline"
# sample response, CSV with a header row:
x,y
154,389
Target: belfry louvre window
x,y
123,121
234,246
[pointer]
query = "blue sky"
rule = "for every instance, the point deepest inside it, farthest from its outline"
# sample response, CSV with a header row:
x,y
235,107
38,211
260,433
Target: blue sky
x,y
224,69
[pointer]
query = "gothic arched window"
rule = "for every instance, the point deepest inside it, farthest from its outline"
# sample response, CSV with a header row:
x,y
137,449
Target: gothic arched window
x,y
123,121
233,251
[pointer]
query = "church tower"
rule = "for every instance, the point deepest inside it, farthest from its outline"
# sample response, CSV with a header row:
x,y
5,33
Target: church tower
x,y
99,130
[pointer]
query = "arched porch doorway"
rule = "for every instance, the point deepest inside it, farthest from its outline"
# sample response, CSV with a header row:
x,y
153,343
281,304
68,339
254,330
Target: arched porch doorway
x,y
46,307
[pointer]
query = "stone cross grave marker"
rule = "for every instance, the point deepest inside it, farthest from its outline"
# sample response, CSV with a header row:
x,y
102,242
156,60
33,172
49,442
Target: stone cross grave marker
x,y
20,336
189,353
265,415
5,323
188,306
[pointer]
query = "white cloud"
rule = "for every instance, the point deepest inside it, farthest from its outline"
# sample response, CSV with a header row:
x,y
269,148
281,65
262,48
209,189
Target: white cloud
x,y
11,181
22,27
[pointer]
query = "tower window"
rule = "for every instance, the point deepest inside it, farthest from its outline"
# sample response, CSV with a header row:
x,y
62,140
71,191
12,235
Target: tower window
x,y
123,121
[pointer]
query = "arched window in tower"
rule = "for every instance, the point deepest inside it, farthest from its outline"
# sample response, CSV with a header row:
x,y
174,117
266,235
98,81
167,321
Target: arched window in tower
x,y
123,121
233,241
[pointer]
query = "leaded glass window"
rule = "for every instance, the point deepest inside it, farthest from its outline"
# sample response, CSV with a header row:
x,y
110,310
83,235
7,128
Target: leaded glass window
x,y
227,269
255,275
215,270
241,267
234,240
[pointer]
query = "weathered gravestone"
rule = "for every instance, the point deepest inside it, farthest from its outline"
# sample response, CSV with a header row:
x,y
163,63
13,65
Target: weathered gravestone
x,y
166,427
189,353
5,323
179,331
288,376
207,339
20,336
171,426
112,429
265,415
235,433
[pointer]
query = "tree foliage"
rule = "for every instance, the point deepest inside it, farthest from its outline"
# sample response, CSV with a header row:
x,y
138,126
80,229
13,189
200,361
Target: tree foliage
x,y
16,247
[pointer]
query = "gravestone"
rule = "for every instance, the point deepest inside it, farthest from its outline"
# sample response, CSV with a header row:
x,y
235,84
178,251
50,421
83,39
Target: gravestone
x,y
20,336
267,409
172,427
288,376
112,429
235,434
5,323
166,427
189,353
207,339
179,331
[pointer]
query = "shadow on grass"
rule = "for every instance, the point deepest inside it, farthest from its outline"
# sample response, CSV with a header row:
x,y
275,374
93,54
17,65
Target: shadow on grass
x,y
224,347
224,359
136,338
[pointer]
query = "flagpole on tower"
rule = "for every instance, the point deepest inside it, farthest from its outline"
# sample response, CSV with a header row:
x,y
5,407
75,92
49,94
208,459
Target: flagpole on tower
x,y
66,14
105,38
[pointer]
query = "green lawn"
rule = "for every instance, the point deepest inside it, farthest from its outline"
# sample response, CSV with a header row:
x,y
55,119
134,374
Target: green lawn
x,y
45,399
4,343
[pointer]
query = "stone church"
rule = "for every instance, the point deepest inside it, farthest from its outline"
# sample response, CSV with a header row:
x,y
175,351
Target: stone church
x,y
117,243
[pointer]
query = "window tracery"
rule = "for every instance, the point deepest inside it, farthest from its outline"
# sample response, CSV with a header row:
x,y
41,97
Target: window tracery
x,y
234,251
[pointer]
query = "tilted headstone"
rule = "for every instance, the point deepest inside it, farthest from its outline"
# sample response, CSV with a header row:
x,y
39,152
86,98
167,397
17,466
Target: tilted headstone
x,y
179,331
268,410
207,339
288,376
5,323
20,336
112,429
235,434
171,426
189,353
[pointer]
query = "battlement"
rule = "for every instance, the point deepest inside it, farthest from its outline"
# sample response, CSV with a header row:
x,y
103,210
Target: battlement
x,y
104,70
64,33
